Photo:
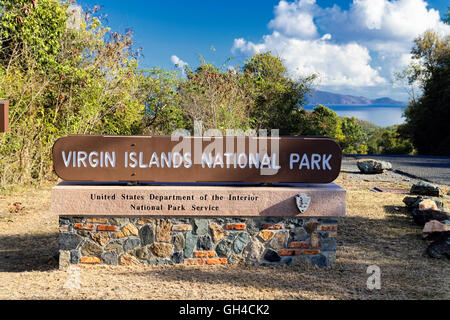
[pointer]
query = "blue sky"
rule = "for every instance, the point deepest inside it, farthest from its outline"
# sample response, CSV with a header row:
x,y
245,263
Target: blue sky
x,y
354,46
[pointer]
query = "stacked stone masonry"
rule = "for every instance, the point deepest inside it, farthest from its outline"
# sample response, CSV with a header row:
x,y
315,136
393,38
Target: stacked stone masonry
x,y
197,241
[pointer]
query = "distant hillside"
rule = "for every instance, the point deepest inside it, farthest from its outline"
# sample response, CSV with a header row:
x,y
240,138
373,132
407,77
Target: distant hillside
x,y
327,98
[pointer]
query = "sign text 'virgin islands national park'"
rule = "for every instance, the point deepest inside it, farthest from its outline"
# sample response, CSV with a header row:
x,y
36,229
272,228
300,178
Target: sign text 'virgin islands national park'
x,y
197,159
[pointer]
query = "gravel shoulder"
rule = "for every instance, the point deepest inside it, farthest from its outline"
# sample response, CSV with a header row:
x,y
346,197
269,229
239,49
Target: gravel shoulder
x,y
376,231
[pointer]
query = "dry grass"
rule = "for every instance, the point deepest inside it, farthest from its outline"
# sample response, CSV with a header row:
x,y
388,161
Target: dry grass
x,y
375,231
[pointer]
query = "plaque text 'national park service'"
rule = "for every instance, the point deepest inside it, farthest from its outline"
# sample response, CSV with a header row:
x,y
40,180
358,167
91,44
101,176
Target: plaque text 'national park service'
x,y
197,159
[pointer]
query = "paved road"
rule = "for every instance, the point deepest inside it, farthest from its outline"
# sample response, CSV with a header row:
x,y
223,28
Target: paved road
x,y
429,168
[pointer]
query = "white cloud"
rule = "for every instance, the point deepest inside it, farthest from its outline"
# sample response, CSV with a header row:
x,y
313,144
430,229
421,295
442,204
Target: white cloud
x,y
295,19
180,64
335,64
356,48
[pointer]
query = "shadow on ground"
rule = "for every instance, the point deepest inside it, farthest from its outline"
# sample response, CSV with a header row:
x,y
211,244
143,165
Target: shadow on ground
x,y
19,253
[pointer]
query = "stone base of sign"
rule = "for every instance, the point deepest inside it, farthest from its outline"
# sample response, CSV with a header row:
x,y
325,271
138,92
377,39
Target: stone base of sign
x,y
117,224
134,240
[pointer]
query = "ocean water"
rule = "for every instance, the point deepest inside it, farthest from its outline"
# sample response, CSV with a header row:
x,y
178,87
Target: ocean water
x,y
381,115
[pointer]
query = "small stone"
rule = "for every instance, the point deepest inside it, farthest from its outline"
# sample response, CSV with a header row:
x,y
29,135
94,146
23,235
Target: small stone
x,y
178,242
413,202
315,241
216,261
311,226
191,240
162,250
126,231
64,259
128,260
425,188
182,227
107,228
427,204
204,254
116,246
371,166
91,249
217,232
75,256
435,226
278,240
83,233
69,241
110,257
266,235
204,243
97,220
147,234
131,243
101,238
201,226
223,248
177,257
299,234
421,217
235,226
143,253
143,221
64,221
119,221
252,252
163,230
240,242
90,260
272,256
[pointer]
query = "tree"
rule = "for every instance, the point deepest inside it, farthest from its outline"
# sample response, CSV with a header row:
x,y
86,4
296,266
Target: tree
x,y
323,121
60,79
37,26
353,139
157,90
388,141
218,98
277,99
427,117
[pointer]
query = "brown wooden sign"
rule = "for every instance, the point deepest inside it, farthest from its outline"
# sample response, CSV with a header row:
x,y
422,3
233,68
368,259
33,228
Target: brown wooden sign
x,y
197,159
4,115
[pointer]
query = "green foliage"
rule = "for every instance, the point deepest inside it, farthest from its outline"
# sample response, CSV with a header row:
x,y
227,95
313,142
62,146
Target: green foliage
x,y
323,121
218,98
427,118
72,81
353,139
34,25
388,141
276,97
158,93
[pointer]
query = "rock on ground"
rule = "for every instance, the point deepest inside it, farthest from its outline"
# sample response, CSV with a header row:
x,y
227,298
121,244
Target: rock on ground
x,y
371,166
423,216
425,188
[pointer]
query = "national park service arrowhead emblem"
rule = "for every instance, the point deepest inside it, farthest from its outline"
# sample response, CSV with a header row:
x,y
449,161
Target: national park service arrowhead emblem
x,y
302,200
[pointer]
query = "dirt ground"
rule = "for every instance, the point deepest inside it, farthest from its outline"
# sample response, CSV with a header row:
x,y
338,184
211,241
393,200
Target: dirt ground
x,y
376,231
